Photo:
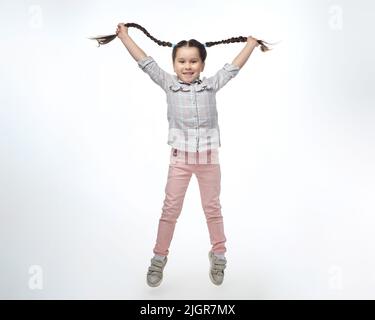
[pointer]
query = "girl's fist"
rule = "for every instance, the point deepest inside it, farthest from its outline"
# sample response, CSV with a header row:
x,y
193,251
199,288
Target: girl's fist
x,y
121,30
253,41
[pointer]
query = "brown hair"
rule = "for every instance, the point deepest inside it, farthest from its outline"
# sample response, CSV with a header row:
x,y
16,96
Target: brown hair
x,y
191,43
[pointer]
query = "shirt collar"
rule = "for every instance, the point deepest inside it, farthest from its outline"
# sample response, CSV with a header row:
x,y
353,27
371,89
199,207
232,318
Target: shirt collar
x,y
198,81
200,85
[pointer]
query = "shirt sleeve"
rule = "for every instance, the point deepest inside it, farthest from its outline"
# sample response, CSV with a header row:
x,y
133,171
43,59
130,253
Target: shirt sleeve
x,y
221,78
157,74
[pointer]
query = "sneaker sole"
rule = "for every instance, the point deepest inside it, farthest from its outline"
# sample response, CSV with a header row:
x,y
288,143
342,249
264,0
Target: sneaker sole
x,y
153,285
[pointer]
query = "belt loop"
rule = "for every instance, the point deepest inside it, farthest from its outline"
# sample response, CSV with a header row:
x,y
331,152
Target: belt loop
x,y
175,152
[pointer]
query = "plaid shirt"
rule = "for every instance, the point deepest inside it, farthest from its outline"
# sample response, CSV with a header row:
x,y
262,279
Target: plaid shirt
x,y
192,113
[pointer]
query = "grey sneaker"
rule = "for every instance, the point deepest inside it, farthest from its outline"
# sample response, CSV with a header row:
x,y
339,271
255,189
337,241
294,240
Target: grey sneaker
x,y
155,272
217,267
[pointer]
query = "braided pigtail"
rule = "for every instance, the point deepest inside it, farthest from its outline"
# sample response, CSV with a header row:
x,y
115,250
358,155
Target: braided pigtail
x,y
106,39
262,43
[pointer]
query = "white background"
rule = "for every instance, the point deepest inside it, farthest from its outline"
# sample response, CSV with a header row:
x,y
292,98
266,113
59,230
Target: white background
x,y
84,158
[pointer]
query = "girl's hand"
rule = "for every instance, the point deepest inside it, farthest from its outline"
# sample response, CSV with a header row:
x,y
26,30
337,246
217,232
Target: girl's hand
x,y
122,30
253,41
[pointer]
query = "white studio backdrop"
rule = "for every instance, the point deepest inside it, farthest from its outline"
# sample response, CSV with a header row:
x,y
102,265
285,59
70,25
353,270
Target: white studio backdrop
x,y
84,158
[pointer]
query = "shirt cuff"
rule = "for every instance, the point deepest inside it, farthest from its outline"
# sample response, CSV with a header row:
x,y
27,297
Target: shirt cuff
x,y
145,61
232,69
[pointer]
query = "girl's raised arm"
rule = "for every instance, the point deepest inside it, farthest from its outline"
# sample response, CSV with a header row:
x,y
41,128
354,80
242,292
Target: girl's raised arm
x,y
245,53
136,52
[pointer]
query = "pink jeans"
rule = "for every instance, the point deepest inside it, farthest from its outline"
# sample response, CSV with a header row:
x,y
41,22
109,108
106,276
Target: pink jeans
x,y
208,175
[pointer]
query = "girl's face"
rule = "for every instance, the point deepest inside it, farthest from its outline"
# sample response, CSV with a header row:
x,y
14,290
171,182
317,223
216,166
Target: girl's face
x,y
188,64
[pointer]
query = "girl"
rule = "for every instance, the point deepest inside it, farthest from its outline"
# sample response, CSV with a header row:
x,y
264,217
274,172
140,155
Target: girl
x,y
194,138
